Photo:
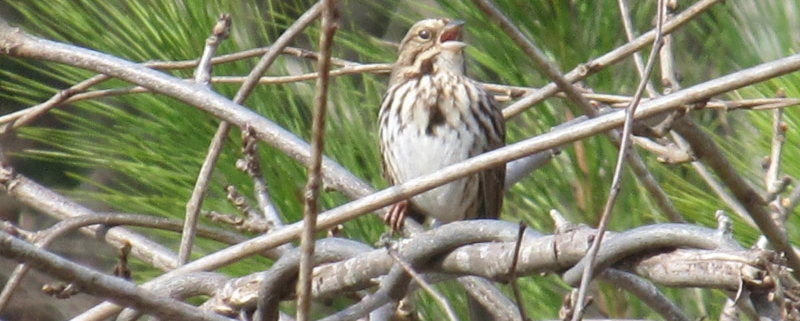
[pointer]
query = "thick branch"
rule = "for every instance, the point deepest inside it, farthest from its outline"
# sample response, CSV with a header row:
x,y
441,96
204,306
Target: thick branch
x,y
95,283
708,151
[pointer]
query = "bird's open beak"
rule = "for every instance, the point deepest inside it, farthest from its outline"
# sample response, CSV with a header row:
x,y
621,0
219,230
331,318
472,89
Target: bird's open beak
x,y
451,35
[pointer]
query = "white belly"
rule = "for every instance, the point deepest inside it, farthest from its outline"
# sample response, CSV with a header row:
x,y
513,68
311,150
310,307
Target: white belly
x,y
415,152
424,154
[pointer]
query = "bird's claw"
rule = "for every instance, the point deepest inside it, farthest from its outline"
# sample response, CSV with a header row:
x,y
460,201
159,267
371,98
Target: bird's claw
x,y
396,216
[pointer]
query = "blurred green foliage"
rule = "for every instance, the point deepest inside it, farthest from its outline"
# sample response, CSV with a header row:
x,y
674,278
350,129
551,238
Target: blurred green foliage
x,y
140,153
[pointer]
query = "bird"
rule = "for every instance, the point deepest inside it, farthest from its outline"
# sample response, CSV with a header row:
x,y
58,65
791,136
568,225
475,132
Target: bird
x,y
432,116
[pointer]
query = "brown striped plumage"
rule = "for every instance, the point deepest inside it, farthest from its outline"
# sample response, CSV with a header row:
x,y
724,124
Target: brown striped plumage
x,y
433,116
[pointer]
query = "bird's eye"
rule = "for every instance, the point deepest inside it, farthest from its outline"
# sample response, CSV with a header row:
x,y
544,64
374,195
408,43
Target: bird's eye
x,y
424,34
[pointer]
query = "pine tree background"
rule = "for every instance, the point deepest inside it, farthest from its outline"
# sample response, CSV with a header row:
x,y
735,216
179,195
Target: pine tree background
x,y
140,153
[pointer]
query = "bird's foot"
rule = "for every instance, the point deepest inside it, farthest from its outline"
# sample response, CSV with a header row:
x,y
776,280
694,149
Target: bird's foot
x,y
395,217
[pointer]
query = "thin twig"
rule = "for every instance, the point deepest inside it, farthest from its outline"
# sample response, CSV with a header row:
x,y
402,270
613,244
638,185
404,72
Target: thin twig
x,y
646,292
708,151
246,54
718,189
519,169
616,183
202,76
78,91
215,147
771,180
220,32
612,57
550,70
512,92
610,100
493,302
669,79
251,165
329,26
671,84
637,56
772,184
668,153
253,220
25,116
424,285
538,57
121,269
513,272
348,70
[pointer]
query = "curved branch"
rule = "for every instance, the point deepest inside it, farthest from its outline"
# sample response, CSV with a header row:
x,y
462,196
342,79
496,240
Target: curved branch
x,y
46,201
44,238
432,253
98,284
645,291
279,280
706,150
651,237
182,287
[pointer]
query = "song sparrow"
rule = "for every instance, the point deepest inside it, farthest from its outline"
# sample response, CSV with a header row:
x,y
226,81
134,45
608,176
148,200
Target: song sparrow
x,y
433,116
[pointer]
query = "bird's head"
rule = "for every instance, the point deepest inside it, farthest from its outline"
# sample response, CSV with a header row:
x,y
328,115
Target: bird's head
x,y
429,46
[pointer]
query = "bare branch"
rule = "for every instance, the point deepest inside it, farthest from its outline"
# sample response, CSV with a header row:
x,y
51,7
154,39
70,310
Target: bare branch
x,y
709,152
616,55
250,164
55,205
96,283
645,291
310,199
422,283
266,290
202,76
723,266
616,181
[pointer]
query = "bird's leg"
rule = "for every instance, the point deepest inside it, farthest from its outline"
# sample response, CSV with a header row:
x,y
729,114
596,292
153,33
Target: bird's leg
x,y
396,215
